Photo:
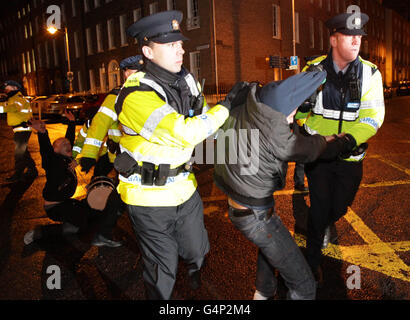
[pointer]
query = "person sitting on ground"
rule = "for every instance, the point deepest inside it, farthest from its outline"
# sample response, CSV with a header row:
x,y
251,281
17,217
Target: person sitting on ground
x,y
61,185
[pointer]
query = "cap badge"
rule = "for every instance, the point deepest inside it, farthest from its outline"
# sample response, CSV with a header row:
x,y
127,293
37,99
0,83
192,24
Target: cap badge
x,y
175,25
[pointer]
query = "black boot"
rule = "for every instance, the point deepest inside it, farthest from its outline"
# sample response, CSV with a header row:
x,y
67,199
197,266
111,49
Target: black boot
x,y
101,241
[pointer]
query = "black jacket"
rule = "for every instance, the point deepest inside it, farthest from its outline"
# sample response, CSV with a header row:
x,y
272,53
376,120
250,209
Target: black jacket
x,y
274,144
61,180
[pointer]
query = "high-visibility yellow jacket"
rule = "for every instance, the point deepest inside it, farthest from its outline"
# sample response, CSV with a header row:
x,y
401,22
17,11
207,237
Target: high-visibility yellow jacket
x,y
104,123
155,132
79,143
334,112
18,111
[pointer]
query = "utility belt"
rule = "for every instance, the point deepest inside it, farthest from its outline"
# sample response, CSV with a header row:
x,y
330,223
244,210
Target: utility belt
x,y
127,166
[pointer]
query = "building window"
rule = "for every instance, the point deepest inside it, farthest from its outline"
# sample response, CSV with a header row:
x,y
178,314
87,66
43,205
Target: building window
x,y
312,33
89,41
86,6
297,35
73,8
63,13
36,24
123,27
153,8
98,31
30,28
23,57
97,3
55,53
320,35
92,80
193,21
171,5
47,54
40,56
25,32
28,62
136,14
76,45
80,81
34,60
110,28
195,63
276,21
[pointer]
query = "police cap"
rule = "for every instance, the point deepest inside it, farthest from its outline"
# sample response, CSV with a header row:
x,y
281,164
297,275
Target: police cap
x,y
162,27
133,62
346,24
11,83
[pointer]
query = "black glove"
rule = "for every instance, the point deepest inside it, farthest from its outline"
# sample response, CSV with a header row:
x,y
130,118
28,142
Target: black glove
x,y
113,147
87,164
313,68
230,97
339,147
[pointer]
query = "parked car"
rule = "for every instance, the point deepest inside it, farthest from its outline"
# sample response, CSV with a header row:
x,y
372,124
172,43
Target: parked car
x,y
37,104
50,106
388,92
91,106
403,89
55,108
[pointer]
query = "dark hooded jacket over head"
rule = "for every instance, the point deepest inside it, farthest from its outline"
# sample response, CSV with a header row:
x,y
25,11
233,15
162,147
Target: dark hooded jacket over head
x,y
256,142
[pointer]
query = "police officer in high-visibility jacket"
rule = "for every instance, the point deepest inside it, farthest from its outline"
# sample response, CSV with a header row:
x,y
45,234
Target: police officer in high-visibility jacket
x,y
164,116
19,111
103,165
351,105
103,134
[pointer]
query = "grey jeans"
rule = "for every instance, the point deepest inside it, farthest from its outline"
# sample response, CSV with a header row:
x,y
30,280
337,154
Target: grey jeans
x,y
276,250
163,234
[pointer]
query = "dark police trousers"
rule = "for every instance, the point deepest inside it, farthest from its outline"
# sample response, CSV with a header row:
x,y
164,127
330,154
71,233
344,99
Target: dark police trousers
x,y
163,234
276,250
22,157
332,188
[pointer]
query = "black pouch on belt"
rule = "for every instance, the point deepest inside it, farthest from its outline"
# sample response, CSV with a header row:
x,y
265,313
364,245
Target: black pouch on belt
x,y
147,174
125,164
162,174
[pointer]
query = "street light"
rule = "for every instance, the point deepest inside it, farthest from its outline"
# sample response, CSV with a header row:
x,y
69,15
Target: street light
x,y
53,30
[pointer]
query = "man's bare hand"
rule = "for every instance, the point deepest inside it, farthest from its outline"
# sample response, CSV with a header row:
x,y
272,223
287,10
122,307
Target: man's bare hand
x,y
38,125
73,165
69,115
329,138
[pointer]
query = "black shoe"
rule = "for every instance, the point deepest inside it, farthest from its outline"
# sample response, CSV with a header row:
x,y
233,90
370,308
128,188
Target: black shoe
x,y
195,280
301,187
330,236
101,241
